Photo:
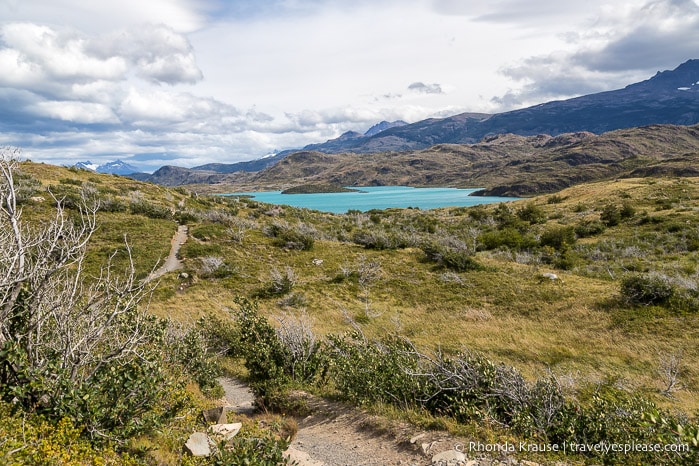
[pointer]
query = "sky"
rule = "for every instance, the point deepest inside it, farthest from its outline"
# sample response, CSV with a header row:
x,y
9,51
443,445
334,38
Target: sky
x,y
189,82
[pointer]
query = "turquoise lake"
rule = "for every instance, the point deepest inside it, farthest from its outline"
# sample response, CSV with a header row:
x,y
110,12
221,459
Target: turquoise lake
x,y
377,197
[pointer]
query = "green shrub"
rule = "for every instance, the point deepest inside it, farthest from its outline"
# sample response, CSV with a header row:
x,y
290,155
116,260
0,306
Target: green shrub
x,y
589,228
610,215
559,238
627,210
264,354
555,199
30,439
192,352
650,289
150,210
451,254
252,446
370,372
532,213
507,237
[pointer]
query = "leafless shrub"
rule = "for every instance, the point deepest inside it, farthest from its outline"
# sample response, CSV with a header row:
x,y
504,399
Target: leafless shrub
x,y
296,335
451,277
670,370
368,272
216,216
238,228
282,282
528,258
208,265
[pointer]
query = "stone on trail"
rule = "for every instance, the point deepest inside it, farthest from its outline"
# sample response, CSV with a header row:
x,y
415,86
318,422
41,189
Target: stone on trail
x,y
215,415
225,432
449,458
198,444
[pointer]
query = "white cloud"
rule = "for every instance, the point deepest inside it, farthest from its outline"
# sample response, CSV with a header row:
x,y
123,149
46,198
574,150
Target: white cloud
x,y
79,112
195,81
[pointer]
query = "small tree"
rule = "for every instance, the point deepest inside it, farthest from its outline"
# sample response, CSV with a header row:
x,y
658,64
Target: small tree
x,y
70,345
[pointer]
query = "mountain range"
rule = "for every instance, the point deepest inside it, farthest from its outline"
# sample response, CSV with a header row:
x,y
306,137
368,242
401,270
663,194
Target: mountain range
x,y
668,98
117,167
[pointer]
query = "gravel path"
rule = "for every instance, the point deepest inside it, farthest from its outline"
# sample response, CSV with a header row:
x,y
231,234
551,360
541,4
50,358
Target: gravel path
x,y
172,262
335,435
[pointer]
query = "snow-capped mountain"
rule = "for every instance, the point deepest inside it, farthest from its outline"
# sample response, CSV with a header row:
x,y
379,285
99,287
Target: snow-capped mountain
x,y
118,167
87,166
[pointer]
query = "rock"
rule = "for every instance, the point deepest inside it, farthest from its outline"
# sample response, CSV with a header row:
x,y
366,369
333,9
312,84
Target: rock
x,y
215,415
550,276
225,432
449,458
37,199
317,261
198,444
184,275
300,458
417,437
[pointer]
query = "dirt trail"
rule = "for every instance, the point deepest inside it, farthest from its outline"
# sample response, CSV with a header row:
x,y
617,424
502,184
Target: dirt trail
x,y
337,435
172,262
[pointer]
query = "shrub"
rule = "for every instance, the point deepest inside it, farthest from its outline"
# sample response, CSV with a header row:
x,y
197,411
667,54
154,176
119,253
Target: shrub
x,y
555,199
299,237
507,237
452,254
627,210
281,283
70,345
191,350
650,289
559,238
589,228
150,210
35,440
265,357
532,213
370,372
610,215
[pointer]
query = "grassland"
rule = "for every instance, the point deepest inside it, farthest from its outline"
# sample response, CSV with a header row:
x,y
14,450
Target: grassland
x,y
374,270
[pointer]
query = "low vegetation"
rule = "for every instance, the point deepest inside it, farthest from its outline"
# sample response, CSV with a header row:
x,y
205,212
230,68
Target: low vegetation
x,y
565,318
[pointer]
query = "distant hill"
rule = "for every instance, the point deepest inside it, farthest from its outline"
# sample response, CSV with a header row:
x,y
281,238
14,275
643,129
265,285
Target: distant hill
x,y
249,166
504,164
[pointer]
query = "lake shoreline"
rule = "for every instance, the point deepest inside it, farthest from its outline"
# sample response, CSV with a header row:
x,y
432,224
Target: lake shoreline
x,y
377,198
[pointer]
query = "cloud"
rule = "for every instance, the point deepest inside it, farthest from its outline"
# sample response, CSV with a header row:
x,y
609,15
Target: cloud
x,y
97,16
662,34
426,88
157,53
622,45
51,61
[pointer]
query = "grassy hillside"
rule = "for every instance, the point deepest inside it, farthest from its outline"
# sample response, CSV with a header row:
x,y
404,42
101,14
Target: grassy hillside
x,y
579,325
625,254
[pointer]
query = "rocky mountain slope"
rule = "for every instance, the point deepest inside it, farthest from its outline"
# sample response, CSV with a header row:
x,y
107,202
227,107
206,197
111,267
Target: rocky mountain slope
x,y
670,97
504,164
